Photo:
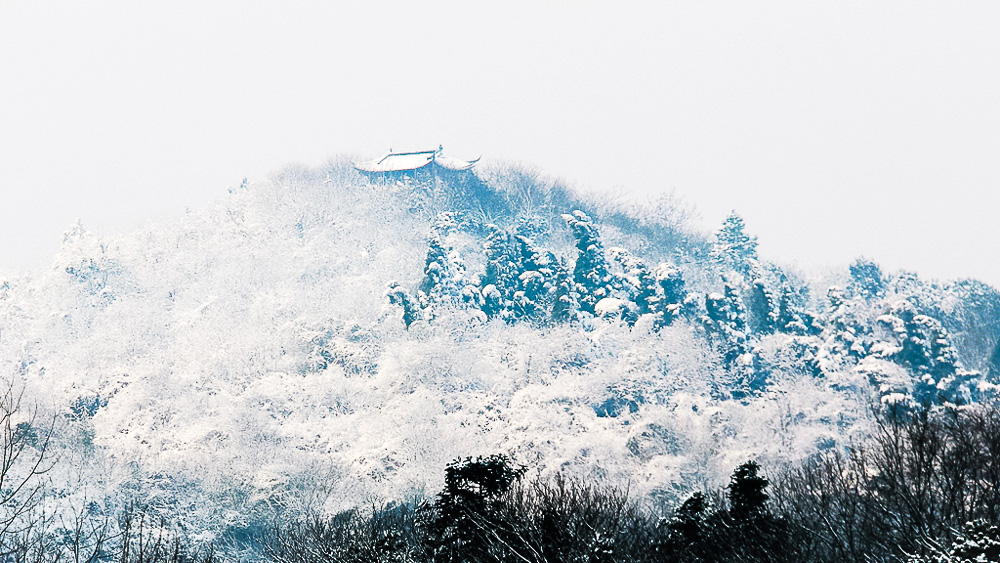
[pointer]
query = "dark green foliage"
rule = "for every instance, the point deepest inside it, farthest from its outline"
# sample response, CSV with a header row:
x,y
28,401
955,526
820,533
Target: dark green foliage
x,y
977,542
566,298
398,296
538,280
464,519
639,283
747,496
867,280
726,325
747,530
440,275
924,349
486,513
733,248
672,293
520,279
503,262
763,311
975,325
793,316
687,532
591,272
844,334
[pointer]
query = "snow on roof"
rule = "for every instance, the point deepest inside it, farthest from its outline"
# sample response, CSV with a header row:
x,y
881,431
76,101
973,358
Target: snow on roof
x,y
452,163
402,161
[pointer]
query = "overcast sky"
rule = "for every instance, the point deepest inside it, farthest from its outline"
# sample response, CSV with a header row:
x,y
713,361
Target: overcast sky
x,y
837,129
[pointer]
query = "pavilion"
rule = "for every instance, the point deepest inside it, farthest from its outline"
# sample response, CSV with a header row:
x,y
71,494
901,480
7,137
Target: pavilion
x,y
414,164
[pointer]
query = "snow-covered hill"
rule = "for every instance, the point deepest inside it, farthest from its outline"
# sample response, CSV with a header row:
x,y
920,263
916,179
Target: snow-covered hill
x,y
317,340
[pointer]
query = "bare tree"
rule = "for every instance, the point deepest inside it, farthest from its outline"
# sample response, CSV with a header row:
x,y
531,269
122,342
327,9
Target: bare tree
x,y
24,448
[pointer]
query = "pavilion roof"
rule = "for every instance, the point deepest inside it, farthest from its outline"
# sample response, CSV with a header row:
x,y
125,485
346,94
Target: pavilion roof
x,y
403,161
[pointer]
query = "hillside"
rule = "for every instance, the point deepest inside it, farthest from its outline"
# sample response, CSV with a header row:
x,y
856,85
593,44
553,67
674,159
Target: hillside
x,y
316,340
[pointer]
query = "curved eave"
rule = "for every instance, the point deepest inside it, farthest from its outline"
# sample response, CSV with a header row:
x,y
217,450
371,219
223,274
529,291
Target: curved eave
x,y
449,163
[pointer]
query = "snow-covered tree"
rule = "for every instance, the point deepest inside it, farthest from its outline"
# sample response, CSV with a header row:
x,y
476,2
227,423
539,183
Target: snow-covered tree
x,y
726,321
503,261
673,294
638,283
733,247
566,298
867,280
444,283
591,271
920,344
538,281
976,542
762,309
399,296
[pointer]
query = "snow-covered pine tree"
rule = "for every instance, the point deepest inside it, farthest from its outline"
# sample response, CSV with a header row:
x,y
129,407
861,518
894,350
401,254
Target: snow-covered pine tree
x,y
845,336
591,272
793,316
726,322
978,541
867,280
538,280
733,247
762,308
639,284
922,346
503,267
566,298
673,294
398,296
444,282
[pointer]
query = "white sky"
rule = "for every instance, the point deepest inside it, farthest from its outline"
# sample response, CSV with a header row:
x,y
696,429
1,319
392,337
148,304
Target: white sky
x,y
837,129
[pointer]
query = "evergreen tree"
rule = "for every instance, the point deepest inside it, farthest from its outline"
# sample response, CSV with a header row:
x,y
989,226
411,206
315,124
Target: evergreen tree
x,y
398,296
735,314
754,532
792,315
727,324
923,347
672,293
639,283
763,310
442,275
747,531
591,273
747,492
464,519
978,542
503,262
845,338
566,299
538,281
867,280
520,279
687,532
733,248
443,281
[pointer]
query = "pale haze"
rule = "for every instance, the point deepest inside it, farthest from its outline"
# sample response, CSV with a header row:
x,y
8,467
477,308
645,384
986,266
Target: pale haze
x,y
837,130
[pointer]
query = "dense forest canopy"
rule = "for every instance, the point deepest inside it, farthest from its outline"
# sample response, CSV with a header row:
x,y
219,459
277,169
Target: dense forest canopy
x,y
317,341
